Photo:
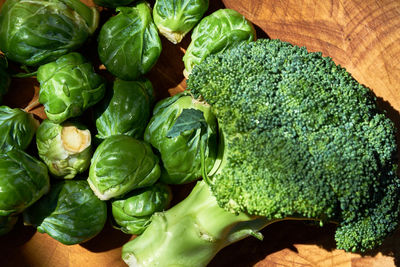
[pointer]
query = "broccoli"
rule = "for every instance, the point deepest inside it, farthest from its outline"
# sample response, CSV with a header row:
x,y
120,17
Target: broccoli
x,y
300,139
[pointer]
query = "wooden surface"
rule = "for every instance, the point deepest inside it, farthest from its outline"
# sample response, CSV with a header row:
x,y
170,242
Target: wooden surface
x,y
361,35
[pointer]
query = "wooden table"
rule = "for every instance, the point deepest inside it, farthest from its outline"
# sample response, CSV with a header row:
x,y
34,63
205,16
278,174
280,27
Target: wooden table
x,y
361,35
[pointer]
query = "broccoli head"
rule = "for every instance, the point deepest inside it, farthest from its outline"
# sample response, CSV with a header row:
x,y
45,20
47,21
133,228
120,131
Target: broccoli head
x,y
300,139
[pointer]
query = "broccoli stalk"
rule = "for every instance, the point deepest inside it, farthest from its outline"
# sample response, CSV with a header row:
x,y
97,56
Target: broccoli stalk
x,y
191,233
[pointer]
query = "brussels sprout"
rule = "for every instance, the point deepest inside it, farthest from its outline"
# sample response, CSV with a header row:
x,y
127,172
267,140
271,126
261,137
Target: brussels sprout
x,y
125,109
4,76
222,29
68,86
17,128
120,164
70,213
36,32
179,127
175,18
128,43
7,224
65,148
133,212
113,3
23,180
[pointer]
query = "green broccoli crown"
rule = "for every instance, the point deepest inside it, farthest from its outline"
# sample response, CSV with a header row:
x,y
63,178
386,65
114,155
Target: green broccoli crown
x,y
302,138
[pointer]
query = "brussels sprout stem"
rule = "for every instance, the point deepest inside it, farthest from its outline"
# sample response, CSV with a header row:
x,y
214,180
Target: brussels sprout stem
x,y
190,233
74,139
173,37
31,106
89,14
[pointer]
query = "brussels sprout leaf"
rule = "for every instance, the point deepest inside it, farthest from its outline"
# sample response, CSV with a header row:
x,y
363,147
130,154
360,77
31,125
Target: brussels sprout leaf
x,y
188,120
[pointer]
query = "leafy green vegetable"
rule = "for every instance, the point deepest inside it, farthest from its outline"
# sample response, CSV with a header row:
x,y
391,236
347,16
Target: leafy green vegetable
x,y
36,32
113,3
68,86
125,109
128,43
65,148
180,126
175,18
4,77
214,34
133,212
24,180
17,128
120,164
300,139
7,224
70,213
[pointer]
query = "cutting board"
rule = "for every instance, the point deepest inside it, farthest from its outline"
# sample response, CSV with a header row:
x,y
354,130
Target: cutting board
x,y
361,35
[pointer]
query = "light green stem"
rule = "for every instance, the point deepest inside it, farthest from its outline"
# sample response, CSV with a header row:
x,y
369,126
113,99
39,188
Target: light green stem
x,y
190,233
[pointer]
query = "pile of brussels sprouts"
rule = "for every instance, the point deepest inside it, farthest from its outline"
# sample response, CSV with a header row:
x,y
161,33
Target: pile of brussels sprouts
x,y
65,173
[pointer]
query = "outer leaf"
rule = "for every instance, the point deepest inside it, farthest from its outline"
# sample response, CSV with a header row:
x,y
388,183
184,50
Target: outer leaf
x,y
180,147
70,213
120,164
66,153
174,19
69,86
133,212
23,180
17,128
129,44
189,119
125,110
33,32
113,3
215,33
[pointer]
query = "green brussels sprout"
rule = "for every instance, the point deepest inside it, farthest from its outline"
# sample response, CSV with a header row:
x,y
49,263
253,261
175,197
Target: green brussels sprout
x,y
179,127
65,148
68,86
214,34
128,43
174,19
113,3
4,76
23,180
7,224
120,164
17,128
125,109
132,214
36,32
70,213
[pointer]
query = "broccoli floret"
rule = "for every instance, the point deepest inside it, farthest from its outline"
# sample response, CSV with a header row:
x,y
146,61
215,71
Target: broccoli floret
x,y
300,138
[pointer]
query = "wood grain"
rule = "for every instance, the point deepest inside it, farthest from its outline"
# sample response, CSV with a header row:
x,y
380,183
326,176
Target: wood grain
x,y
361,35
